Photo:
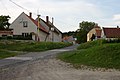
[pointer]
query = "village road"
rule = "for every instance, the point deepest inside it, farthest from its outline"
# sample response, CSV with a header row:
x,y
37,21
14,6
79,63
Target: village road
x,y
48,67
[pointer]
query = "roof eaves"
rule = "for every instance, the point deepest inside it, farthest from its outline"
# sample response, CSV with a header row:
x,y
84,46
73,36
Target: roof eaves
x,y
36,23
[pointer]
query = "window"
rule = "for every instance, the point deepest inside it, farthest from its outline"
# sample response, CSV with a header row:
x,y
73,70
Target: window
x,y
25,24
25,34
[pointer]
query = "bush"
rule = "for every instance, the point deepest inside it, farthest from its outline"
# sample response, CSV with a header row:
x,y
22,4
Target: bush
x,y
31,46
20,37
91,44
104,56
113,41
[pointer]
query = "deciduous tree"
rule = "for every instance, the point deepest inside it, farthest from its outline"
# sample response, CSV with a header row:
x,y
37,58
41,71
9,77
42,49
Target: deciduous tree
x,y
85,27
4,22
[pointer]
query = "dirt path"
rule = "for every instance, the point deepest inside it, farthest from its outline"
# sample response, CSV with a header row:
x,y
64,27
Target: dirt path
x,y
52,69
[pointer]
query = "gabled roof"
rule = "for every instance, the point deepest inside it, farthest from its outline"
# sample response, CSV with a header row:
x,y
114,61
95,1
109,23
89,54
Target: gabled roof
x,y
6,32
68,39
112,32
51,25
98,33
97,27
36,23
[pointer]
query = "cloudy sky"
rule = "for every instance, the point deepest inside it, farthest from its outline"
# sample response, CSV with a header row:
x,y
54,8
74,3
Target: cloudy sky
x,y
67,13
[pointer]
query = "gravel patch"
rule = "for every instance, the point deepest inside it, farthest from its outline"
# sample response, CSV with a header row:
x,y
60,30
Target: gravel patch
x,y
52,69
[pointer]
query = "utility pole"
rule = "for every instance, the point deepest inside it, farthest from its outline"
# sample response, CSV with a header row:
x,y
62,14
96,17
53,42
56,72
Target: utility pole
x,y
38,31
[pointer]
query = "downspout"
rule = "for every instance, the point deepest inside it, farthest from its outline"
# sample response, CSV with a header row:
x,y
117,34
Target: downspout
x,y
47,34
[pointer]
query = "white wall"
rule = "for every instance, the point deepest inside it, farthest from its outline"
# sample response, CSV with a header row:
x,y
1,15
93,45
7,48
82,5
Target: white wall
x,y
18,28
103,34
89,35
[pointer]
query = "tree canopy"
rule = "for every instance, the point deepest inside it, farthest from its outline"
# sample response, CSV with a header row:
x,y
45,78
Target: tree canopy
x,y
85,27
4,22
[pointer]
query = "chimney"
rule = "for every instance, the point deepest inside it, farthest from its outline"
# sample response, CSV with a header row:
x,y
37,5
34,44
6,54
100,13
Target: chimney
x,y
47,19
30,15
118,27
52,20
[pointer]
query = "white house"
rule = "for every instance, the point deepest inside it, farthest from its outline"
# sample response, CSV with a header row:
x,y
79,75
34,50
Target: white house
x,y
39,29
110,33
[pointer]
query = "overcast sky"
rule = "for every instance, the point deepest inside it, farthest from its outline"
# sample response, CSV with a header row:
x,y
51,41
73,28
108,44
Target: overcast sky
x,y
67,13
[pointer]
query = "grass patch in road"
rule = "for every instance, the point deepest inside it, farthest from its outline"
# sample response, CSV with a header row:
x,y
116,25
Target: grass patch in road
x,y
8,47
31,46
104,56
5,54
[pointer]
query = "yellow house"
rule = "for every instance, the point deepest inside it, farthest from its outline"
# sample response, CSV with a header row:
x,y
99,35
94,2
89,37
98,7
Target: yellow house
x,y
96,31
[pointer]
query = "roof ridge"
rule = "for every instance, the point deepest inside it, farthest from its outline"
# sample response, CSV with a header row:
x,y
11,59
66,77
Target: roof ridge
x,y
36,23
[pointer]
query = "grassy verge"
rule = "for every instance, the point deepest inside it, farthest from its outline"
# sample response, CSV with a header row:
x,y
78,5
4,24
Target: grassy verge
x,y
7,46
5,53
31,46
105,55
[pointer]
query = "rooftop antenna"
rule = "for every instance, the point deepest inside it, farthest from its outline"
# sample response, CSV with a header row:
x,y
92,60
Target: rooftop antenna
x,y
37,11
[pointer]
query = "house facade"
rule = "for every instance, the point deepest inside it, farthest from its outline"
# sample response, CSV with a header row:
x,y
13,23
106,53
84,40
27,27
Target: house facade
x,y
110,33
38,29
95,33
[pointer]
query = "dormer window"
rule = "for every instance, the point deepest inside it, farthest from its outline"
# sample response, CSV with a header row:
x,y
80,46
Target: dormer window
x,y
25,24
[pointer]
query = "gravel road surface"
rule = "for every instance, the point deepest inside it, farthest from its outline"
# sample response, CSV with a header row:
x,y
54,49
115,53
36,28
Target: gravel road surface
x,y
49,68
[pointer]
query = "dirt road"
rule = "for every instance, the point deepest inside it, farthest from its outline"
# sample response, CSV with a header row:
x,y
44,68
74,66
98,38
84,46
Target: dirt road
x,y
52,69
44,66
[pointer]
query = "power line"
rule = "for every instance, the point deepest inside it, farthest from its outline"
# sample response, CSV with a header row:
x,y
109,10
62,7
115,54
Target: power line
x,y
24,8
19,5
5,6
37,13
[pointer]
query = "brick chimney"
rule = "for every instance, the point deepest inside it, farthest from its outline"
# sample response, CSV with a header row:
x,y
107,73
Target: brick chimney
x,y
52,20
47,19
30,15
117,27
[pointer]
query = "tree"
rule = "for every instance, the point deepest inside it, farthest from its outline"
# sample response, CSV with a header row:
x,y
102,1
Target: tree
x,y
85,27
70,33
4,24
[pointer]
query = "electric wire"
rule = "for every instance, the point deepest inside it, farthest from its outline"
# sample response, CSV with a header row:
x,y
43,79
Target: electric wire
x,y
5,7
38,13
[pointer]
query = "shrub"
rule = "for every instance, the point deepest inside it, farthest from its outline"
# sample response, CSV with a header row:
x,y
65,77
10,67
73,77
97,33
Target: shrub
x,y
104,56
91,44
31,46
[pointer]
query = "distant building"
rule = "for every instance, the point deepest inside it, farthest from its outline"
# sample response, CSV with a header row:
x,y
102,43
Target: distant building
x,y
69,39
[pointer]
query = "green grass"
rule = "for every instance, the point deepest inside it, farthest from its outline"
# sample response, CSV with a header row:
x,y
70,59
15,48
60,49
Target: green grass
x,y
5,53
104,55
7,46
31,46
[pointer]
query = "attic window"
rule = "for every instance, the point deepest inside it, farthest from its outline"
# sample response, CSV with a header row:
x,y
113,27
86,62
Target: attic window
x,y
25,24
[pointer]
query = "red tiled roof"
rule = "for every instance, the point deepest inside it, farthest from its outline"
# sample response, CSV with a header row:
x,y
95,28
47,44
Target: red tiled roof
x,y
6,32
97,27
36,23
98,33
112,32
68,38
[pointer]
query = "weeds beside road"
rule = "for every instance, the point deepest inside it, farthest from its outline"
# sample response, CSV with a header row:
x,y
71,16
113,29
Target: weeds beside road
x,y
97,54
8,47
